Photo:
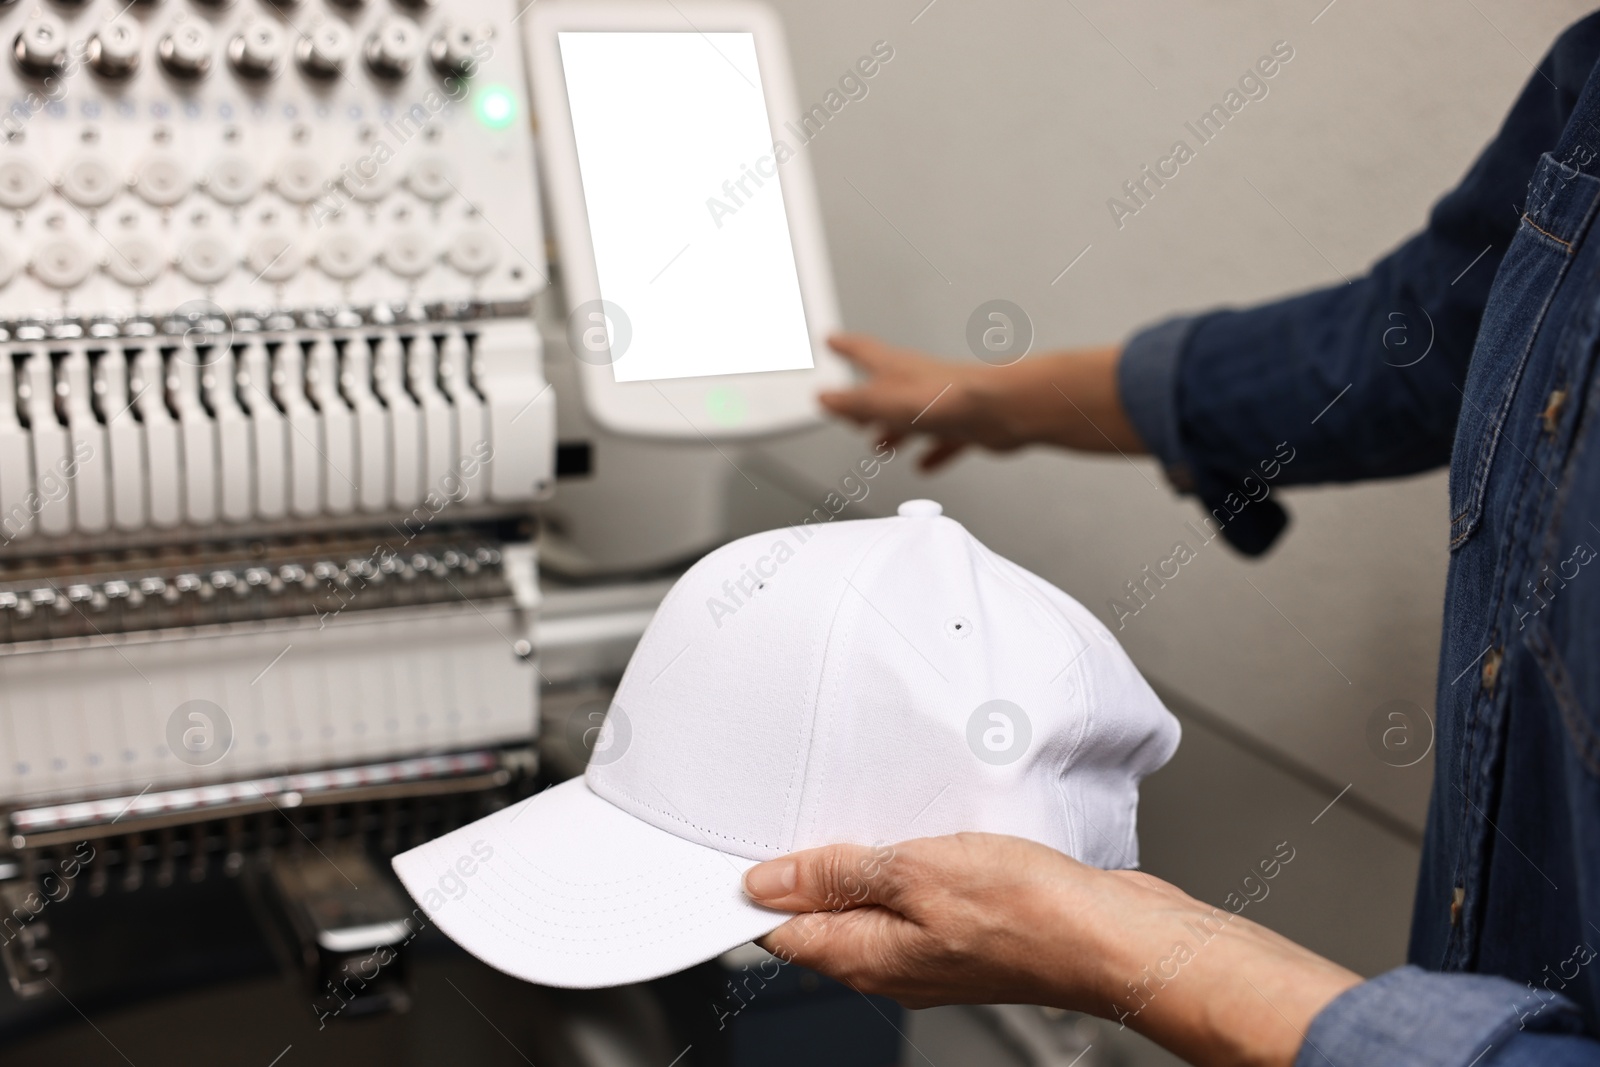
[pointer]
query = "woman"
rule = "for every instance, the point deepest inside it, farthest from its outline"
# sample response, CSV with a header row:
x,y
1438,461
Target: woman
x,y
1508,899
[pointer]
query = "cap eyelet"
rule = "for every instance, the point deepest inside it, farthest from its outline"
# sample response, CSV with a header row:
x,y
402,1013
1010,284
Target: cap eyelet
x,y
958,627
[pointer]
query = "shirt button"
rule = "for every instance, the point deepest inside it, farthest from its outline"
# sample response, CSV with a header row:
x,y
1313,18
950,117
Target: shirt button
x,y
1491,667
1552,410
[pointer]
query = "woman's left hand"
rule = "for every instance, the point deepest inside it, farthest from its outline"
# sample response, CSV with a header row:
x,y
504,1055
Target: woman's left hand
x,y
983,918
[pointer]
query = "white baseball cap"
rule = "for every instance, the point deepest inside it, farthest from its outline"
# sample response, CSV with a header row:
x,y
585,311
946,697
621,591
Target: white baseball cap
x,y
863,681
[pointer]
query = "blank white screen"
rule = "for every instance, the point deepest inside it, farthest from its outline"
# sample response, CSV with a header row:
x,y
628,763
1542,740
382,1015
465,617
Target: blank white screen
x,y
663,120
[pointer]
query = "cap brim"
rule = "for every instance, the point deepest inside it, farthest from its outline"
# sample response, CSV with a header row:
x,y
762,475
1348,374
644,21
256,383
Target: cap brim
x,y
566,889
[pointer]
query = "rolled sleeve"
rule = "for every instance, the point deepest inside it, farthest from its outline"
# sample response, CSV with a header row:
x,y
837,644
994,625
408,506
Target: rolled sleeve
x,y
1147,378
1150,382
1316,388
1424,1019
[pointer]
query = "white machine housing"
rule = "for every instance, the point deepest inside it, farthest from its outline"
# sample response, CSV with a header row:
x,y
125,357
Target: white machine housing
x,y
273,413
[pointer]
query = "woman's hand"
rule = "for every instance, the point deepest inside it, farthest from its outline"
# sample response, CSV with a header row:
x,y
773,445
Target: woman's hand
x,y
940,920
982,918
1068,398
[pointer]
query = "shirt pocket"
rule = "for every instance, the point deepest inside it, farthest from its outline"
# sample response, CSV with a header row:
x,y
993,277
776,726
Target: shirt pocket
x,y
1559,204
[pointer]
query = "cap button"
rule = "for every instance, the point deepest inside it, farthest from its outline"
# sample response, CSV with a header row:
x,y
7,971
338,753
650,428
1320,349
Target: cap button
x,y
921,509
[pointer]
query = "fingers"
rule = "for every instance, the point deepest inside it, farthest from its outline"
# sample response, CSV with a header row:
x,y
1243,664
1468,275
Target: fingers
x,y
863,350
824,879
899,388
940,454
857,405
895,404
839,944
893,407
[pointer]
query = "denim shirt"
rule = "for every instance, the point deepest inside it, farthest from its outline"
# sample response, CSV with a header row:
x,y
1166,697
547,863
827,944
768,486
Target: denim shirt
x,y
1472,344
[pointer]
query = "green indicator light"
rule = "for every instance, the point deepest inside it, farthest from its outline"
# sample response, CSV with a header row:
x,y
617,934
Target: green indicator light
x,y
725,406
496,106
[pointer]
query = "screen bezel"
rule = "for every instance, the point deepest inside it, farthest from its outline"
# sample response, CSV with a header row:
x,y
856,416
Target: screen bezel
x,y
678,408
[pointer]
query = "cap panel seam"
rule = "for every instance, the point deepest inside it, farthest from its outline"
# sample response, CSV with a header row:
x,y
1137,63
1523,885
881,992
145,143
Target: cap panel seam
x,y
819,730
603,781
1051,612
619,791
1019,578
1131,845
828,657
1073,840
677,591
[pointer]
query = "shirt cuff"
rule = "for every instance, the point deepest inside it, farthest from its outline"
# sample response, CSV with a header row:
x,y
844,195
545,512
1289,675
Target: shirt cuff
x,y
1147,379
1426,1019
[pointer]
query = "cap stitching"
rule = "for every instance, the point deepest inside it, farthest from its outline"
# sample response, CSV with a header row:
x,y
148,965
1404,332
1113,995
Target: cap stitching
x,y
632,944
806,744
598,900
1078,852
1021,581
680,819
584,887
600,777
824,731
823,675
677,591
676,874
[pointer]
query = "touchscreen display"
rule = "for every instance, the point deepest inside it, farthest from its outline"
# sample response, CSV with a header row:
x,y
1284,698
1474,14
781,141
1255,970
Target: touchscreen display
x,y
681,178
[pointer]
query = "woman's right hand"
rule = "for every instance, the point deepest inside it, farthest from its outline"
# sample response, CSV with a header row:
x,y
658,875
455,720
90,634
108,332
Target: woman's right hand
x,y
1069,399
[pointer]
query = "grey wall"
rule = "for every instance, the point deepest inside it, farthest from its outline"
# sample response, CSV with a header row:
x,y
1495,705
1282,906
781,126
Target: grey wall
x,y
979,166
